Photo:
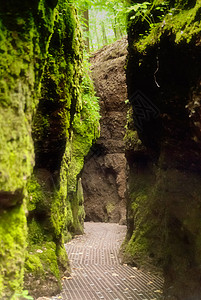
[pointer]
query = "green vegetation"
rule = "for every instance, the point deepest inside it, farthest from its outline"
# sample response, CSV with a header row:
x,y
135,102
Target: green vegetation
x,y
42,260
65,126
164,44
49,119
159,17
85,130
36,195
104,22
48,107
13,233
24,295
19,90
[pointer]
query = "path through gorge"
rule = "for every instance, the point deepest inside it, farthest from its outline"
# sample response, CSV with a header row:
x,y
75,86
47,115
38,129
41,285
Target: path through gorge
x,y
96,268
97,272
100,169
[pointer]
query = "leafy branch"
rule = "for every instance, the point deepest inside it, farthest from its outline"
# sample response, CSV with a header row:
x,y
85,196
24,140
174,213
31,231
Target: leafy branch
x,y
24,295
145,11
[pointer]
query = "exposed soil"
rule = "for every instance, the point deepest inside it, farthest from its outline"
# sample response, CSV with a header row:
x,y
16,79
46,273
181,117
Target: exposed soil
x,y
104,174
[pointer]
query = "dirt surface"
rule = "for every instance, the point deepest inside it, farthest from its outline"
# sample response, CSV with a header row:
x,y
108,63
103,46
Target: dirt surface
x,y
104,174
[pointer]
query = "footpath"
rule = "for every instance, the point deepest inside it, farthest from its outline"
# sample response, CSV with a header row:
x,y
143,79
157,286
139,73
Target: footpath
x,y
97,272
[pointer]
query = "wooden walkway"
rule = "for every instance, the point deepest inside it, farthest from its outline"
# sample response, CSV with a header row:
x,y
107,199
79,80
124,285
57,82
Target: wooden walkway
x,y
97,272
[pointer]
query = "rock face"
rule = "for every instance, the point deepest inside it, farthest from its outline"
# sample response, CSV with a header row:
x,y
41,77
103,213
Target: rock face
x,y
163,147
104,173
47,126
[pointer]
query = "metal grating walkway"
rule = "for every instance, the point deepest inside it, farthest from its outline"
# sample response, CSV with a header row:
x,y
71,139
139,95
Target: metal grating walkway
x,y
97,272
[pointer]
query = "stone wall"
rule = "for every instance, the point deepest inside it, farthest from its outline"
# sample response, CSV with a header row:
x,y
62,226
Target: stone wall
x,y
45,134
163,146
104,173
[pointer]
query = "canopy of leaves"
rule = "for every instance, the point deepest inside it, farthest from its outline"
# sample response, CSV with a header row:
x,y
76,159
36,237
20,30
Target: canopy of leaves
x,y
107,21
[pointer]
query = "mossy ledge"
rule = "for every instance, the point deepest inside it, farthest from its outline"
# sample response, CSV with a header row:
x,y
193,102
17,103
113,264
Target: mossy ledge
x,y
163,146
49,120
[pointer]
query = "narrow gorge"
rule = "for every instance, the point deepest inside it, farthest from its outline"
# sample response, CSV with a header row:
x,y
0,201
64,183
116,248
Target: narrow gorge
x,y
119,143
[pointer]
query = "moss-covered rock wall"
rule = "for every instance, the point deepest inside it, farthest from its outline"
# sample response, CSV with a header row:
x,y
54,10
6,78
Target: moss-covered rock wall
x,y
163,143
47,126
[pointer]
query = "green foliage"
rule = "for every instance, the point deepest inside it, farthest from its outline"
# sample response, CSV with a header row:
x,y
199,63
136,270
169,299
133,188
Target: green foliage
x,y
107,21
24,295
144,11
161,17
90,104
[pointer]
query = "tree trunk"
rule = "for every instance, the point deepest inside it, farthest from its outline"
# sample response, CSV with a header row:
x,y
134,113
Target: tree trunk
x,y
96,32
104,34
86,29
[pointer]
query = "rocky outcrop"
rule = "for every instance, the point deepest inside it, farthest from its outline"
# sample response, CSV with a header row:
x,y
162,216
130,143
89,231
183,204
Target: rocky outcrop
x,y
104,173
47,126
163,146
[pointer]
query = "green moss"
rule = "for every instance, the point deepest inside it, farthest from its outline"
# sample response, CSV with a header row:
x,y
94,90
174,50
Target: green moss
x,y
16,150
41,126
85,130
132,140
36,233
58,214
23,50
80,196
62,257
67,235
182,23
42,260
137,246
78,214
33,265
136,249
49,259
77,201
164,214
70,119
41,58
12,251
36,197
110,207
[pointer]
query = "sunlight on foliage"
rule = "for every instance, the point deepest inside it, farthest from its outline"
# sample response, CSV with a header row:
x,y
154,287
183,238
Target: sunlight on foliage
x,y
90,101
24,295
106,23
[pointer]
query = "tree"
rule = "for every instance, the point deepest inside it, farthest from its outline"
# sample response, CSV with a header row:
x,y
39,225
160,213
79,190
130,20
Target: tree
x,y
86,28
103,21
